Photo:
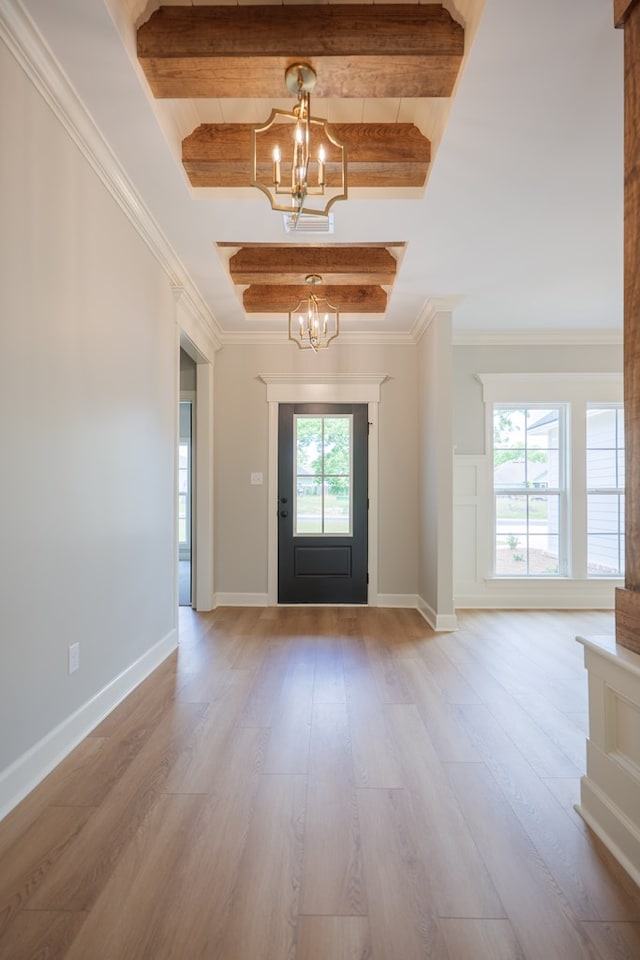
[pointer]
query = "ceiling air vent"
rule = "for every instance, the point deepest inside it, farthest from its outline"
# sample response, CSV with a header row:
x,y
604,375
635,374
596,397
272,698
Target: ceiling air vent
x,y
307,223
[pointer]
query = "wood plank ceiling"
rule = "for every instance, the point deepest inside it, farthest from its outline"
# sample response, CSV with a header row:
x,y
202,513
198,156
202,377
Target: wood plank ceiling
x,y
358,50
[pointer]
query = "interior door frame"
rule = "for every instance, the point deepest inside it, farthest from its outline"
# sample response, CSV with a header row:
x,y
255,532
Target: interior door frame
x,y
329,388
194,341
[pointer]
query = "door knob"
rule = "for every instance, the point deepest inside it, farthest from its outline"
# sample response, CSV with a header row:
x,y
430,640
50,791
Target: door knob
x,y
284,513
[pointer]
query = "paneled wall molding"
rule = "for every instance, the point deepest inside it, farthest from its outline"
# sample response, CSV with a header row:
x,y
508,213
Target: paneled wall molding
x,y
473,587
470,526
22,38
610,790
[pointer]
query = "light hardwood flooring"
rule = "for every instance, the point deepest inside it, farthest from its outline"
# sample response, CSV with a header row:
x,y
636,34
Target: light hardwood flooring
x,y
328,784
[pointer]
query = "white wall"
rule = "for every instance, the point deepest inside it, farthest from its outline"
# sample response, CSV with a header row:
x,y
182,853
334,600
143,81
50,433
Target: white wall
x,y
88,406
241,447
468,408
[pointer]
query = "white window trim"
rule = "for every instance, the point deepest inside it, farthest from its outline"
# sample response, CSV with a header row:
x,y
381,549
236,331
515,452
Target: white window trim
x,y
577,390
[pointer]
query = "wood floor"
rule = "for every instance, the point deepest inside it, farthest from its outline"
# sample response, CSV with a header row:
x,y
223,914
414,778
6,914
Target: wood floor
x,y
328,784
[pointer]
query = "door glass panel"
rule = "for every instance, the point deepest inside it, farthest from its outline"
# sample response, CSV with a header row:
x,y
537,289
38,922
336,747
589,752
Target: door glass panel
x,y
308,505
323,475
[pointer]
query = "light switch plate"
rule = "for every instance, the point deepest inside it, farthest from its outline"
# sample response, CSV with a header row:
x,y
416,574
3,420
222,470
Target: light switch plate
x,y
256,479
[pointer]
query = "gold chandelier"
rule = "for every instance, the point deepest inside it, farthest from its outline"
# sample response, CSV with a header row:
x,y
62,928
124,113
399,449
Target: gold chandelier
x,y
315,322
293,154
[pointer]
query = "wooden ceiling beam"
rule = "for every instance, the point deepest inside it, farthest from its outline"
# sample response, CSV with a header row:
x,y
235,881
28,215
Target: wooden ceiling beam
x,y
269,298
291,264
621,10
358,50
378,154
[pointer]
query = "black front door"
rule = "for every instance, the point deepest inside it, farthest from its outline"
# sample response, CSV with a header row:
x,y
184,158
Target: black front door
x,y
322,504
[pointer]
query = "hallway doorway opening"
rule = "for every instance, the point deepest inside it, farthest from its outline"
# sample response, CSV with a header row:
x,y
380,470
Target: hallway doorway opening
x,y
185,504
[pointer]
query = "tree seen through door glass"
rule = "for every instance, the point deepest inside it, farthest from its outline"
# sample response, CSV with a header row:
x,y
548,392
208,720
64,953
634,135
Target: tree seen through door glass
x,y
323,457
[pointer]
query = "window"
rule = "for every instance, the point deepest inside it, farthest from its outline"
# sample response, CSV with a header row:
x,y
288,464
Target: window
x,y
323,470
555,469
605,490
184,482
528,481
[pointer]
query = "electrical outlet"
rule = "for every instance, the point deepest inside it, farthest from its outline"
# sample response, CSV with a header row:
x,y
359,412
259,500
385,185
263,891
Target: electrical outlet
x,y
74,657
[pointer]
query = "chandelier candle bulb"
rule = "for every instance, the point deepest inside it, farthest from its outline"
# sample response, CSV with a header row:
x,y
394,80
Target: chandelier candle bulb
x,y
321,160
276,165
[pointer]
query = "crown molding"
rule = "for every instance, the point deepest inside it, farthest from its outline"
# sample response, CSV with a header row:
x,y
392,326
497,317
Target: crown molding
x,y
345,338
193,323
34,56
430,310
542,338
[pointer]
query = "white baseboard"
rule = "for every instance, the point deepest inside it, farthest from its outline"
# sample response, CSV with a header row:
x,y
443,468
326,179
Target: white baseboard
x,y
25,773
408,600
411,601
441,622
241,600
618,834
536,595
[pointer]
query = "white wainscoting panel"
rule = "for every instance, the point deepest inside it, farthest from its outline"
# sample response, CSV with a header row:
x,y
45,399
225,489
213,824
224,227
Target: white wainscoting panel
x,y
610,790
473,584
470,530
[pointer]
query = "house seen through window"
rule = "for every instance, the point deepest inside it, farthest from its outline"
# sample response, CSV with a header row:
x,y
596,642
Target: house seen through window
x,y
558,506
528,475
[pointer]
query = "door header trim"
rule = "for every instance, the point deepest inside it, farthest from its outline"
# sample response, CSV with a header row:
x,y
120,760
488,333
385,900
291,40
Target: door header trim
x,y
323,388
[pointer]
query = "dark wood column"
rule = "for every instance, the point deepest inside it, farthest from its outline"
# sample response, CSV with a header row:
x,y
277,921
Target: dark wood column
x,y
627,16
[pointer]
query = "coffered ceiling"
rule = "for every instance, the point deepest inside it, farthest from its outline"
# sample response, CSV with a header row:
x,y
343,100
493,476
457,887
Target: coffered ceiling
x,y
354,278
357,49
484,140
401,52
